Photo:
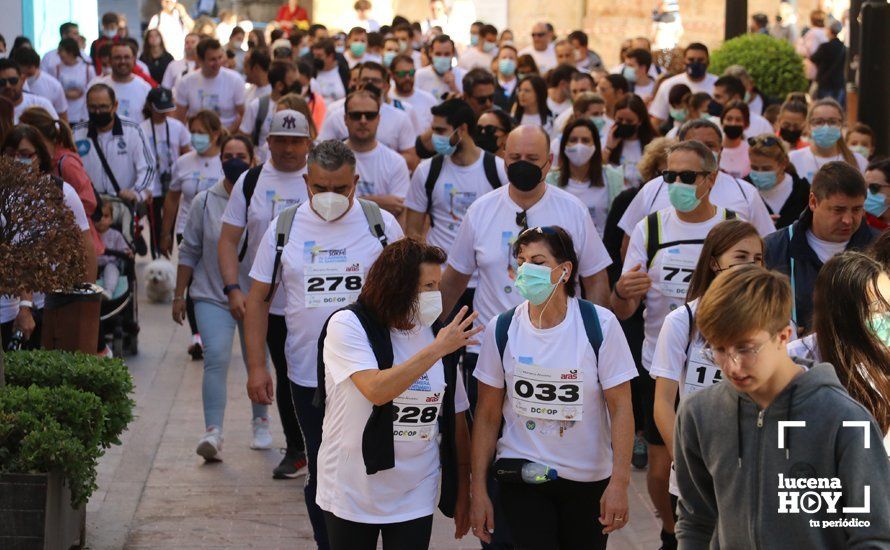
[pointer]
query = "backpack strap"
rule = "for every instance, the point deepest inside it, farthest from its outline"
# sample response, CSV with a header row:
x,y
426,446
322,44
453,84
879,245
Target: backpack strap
x,y
248,187
261,113
375,220
653,237
791,276
730,214
500,330
430,184
691,328
491,170
592,326
282,236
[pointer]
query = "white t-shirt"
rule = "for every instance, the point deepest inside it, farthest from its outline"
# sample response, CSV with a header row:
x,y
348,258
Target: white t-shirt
x,y
661,107
172,30
472,58
631,153
596,199
758,125
670,270
535,120
645,91
422,103
545,60
252,91
318,256
394,130
381,171
248,124
484,242
76,77
807,163
48,87
776,197
456,189
806,347
175,71
32,100
330,85
535,360
559,108
825,250
130,96
221,94
192,174
166,154
734,161
737,195
410,489
275,191
428,80
693,372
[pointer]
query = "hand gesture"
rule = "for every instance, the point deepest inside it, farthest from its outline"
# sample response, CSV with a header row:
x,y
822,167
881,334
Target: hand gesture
x,y
459,333
633,283
612,141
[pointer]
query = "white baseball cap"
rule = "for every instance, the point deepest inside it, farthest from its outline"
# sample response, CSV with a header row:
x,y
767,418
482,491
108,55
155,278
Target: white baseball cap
x,y
289,123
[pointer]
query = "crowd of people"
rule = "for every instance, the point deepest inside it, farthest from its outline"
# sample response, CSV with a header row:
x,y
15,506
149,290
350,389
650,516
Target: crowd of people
x,y
490,277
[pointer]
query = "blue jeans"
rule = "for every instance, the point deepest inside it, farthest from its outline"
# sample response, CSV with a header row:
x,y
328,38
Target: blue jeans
x,y
217,329
311,418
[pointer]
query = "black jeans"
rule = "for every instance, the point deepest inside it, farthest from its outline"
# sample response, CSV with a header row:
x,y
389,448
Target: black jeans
x,y
311,419
275,337
557,515
406,535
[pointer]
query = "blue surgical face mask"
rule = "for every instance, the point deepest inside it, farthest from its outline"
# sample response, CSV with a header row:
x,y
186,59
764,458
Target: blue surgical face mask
x,y
304,50
340,49
507,66
533,282
876,204
201,142
630,74
25,161
474,39
357,49
442,144
880,326
599,122
442,63
861,149
763,180
682,196
488,47
826,136
387,58
679,114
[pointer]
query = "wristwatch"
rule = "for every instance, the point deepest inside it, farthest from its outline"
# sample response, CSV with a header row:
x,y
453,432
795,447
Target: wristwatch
x,y
26,303
230,288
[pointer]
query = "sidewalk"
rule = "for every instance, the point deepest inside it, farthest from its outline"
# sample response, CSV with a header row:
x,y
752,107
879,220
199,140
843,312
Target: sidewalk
x,y
155,492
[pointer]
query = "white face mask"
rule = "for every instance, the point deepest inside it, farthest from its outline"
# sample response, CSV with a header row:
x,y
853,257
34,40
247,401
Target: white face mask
x,y
429,308
579,153
330,206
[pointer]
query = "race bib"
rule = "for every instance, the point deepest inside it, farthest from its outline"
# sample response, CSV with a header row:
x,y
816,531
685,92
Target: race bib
x,y
676,272
415,415
552,394
700,373
332,284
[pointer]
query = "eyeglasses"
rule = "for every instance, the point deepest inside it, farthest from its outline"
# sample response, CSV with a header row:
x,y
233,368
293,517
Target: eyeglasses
x,y
743,355
826,121
484,99
357,115
11,81
768,141
403,74
686,176
876,188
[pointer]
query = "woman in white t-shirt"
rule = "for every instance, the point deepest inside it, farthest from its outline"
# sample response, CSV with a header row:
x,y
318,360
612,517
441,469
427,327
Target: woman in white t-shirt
x,y
630,134
74,74
388,398
734,120
531,104
678,364
825,122
553,378
851,320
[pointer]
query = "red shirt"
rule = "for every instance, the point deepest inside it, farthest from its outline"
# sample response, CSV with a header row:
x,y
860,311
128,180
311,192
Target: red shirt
x,y
876,223
68,166
285,14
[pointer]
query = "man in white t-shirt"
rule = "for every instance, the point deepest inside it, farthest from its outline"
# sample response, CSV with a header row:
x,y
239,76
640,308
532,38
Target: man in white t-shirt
x,y
542,49
40,83
213,87
356,46
696,77
11,84
729,89
329,78
730,193
403,72
382,173
130,90
173,22
258,114
51,59
178,68
637,64
480,55
439,78
330,243
257,64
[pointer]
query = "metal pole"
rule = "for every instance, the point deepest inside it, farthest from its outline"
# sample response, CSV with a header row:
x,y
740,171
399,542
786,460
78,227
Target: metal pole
x,y
736,18
874,72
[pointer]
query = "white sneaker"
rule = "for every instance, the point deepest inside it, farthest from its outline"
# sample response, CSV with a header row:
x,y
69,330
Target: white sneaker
x,y
262,435
210,445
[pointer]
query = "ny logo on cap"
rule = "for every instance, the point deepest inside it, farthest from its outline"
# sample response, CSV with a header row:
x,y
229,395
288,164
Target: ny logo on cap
x,y
289,122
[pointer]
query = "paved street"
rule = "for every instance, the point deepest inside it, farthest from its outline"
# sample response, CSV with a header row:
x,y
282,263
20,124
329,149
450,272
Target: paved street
x,y
155,492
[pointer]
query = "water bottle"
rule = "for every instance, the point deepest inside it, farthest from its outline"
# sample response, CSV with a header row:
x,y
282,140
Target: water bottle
x,y
535,473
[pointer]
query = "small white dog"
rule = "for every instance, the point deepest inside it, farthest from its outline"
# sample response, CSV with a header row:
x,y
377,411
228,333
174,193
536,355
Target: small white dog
x,y
160,280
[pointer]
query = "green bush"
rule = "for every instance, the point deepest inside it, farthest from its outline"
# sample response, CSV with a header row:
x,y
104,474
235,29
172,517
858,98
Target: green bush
x,y
108,379
773,64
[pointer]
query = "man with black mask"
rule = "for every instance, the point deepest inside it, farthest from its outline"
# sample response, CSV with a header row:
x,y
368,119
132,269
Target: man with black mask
x,y
331,75
696,77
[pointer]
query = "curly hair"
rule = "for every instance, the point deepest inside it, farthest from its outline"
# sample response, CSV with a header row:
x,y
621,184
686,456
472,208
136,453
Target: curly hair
x,y
390,289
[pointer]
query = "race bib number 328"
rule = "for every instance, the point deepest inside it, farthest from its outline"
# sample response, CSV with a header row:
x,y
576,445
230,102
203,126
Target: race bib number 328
x,y
552,394
415,415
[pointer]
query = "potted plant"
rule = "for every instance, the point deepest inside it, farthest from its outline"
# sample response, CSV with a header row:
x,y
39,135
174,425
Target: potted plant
x,y
58,412
772,63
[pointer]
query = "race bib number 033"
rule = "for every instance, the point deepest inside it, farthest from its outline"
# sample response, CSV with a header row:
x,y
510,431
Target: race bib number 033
x,y
415,415
332,285
552,394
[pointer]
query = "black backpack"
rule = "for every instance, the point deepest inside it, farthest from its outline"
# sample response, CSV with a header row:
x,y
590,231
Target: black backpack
x,y
249,186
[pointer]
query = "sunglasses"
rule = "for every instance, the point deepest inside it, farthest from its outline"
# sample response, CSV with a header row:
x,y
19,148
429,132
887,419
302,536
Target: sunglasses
x,y
484,99
539,34
403,74
490,129
769,141
546,230
357,115
686,176
11,81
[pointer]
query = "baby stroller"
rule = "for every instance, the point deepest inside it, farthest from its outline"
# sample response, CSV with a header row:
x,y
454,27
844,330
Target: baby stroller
x,y
119,316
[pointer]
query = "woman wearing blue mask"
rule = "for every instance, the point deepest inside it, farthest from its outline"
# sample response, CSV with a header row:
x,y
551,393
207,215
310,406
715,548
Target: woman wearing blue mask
x,y
785,193
877,202
555,373
825,123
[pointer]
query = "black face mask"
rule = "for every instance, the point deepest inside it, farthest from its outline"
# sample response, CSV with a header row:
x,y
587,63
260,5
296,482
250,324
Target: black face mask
x,y
233,168
318,64
733,132
524,175
697,69
715,109
790,136
486,140
625,131
251,44
100,120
